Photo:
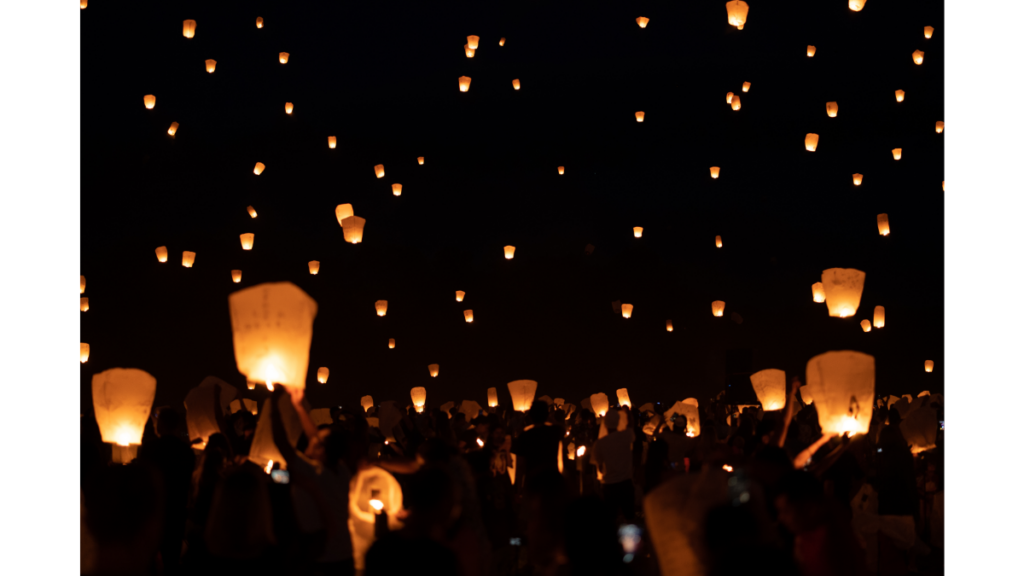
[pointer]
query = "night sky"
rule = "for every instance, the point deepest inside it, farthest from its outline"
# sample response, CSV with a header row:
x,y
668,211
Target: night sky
x,y
383,78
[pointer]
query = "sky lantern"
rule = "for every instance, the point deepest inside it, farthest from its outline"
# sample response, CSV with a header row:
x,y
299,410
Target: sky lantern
x,y
211,65
259,22
844,390
639,116
843,288
857,5
353,229
623,396
807,394
83,4
322,374
81,285
283,57
899,95
638,231
419,160
251,210
599,403
642,22
161,254
272,329
736,102
865,325
879,316
459,295
83,304
382,307
188,28
501,42
929,365
469,51
627,310
434,370
469,316
883,224
810,51
857,179
188,258
419,397
247,240
737,10
396,189
515,84
510,251
715,171
314,267
770,387
928,30
717,308
811,142
122,399
818,292
288,107
897,153
464,83
473,42
343,211
379,171
522,392
492,397
83,353
939,126
832,109
668,326
149,100
728,97
173,129
718,241
366,402
236,276
258,169
918,57
200,409
746,86
391,343
332,142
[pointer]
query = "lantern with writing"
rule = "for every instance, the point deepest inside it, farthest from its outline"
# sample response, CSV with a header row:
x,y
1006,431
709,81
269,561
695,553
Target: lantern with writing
x,y
469,316
599,403
188,258
173,129
236,276
627,310
928,30
161,254
718,308
811,142
434,370
122,399
832,109
810,51
737,10
668,325
366,402
188,28
929,365
522,392
857,5
843,288
382,307
391,343
211,65
865,325
715,171
258,169
259,22
83,352
272,329
283,57
918,57
899,95
642,22
492,397
464,83
857,179
149,100
746,86
818,292
473,42
322,374
770,387
459,295
623,395
353,229
897,153
939,126
883,224
844,390
419,397
247,241
314,267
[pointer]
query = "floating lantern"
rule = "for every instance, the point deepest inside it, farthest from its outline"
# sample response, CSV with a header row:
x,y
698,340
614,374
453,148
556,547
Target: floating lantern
x,y
623,395
718,241
939,126
843,287
81,285
464,83
459,295
434,369
807,394
810,51
83,354
599,403
642,22
469,51
83,4
396,189
473,42
865,325
928,30
272,329
258,169
250,384
161,254
844,390
857,179
343,211
715,171
469,316
173,129
211,65
929,365
737,10
492,397
188,28
252,211
314,267
736,102
639,116
236,276
322,374
259,22
420,160
638,231
188,258
283,57
366,402
561,169
879,316
857,5
717,308
832,109
379,171
746,86
918,57
382,307
899,95
770,387
419,397
811,142
122,399
288,107
391,343
522,392
353,229
149,100
515,84
83,304
247,240
510,251
818,292
883,224
668,326
501,42
332,142
897,153
728,97
627,310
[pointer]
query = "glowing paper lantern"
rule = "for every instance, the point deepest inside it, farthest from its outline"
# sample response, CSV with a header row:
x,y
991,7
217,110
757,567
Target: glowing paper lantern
x,y
879,316
843,287
314,267
639,116
844,390
728,97
627,310
737,10
200,408
599,403
379,170
857,5
258,169
501,42
173,129
717,308
857,179
807,394
211,65
668,326
396,189
382,307
343,211
391,343
642,22
928,30
746,86
353,229
897,153
259,22
459,295
83,354
638,231
288,107
623,396
366,402
434,370
252,211
272,329
420,160
81,285
188,28
332,142
419,397
832,109
770,387
515,84
522,392
464,83
865,325
818,292
736,104
899,95
236,276
83,4
918,57
883,224
810,51
83,304
470,52
283,57
561,169
247,240
929,365
473,42
469,316
188,258
718,241
492,397
510,251
161,254
715,171
939,126
322,374
811,142
122,399
149,100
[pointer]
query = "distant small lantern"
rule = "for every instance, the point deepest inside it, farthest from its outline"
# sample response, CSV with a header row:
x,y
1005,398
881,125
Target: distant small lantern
x,y
188,28
382,307
473,42
174,129
492,397
288,107
419,397
857,179
865,325
258,169
939,126
83,4
897,153
717,308
639,116
843,288
419,160
718,241
770,387
469,316
396,189
728,97
623,395
879,316
810,51
322,374
561,169
83,353
379,170
81,285
501,42
668,326
188,258
811,142
715,171
736,104
515,84
149,100
642,22
464,83
83,304
928,30
391,343
469,51
211,65
510,251
638,231
929,365
746,86
353,228
332,142
343,211
259,22
252,211
366,402
918,57
161,254
818,292
737,10
627,310
434,369
247,241
236,276
314,267
899,95
283,57
883,224
857,5
459,295
832,109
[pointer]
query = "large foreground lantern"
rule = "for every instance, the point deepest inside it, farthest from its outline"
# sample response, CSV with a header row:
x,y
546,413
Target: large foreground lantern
x,y
928,30
247,240
492,397
717,308
715,171
211,65
419,397
173,129
149,100
188,28
272,329
818,292
314,267
322,374
343,211
522,392
918,57
283,57
434,370
623,396
473,42
161,254
258,169
627,310
236,276
188,258
832,109
737,10
929,365
464,83
857,5
844,390
510,251
770,387
883,224
843,288
353,229
811,142
599,403
879,316
83,352
381,306
122,399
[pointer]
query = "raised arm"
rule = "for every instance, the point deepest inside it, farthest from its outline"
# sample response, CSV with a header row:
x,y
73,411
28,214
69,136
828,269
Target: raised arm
x,y
802,458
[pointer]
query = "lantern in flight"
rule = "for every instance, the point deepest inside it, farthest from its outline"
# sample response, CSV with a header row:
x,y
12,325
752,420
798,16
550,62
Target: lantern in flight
x,y
464,83
501,42
283,57
492,397
623,395
728,97
322,374
314,267
928,30
832,109
599,403
844,390
737,10
715,171
818,292
379,170
83,4
391,343
420,160
627,310
332,142
288,107
918,57
382,307
899,95
419,397
161,254
843,288
522,392
642,22
188,28
735,101
434,370
939,126
258,169
188,258
810,51
353,229
259,22
83,353
883,224
929,365
469,316
236,276
83,304
81,285
668,326
343,211
473,42
865,325
717,308
515,84
879,316
366,402
252,211
718,241
897,153
746,86
122,399
459,295
469,51
638,231
272,329
639,116
149,100
247,240
857,179
857,5
173,129
211,65
510,251
561,169
811,142
770,387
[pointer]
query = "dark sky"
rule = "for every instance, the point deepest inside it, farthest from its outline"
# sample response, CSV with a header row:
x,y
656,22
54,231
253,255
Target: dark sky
x,y
383,78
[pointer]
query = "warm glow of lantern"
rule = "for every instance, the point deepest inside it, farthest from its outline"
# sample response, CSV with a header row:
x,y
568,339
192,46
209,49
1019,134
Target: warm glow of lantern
x,y
515,84
420,160
343,211
883,224
83,354
258,169
174,129
250,385
639,116
434,370
879,316
810,51
623,396
236,276
288,107
391,343
717,308
929,365
161,254
844,390
469,316
314,267
252,211
272,329
81,285
638,231
832,109
188,28
642,22
396,189
843,288
522,392
899,95
857,179
473,42
627,310
599,403
259,22
865,325
939,126
382,307
379,171
283,57
149,100
928,30
811,142
746,86
83,304
332,142
718,241
366,402
322,374
561,169
736,104
501,42
122,399
918,57
459,295
247,240
728,97
857,5
353,229
737,10
818,292
770,387
668,326
464,83
83,4
419,397
188,258
897,153
715,171
211,65
510,251
581,451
